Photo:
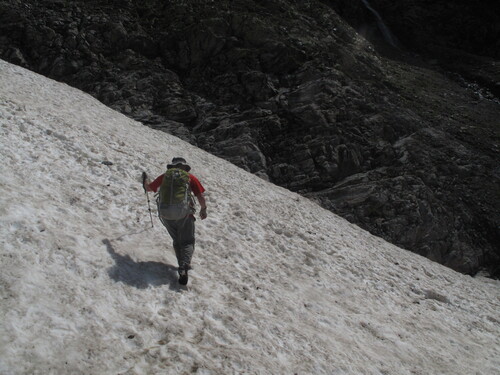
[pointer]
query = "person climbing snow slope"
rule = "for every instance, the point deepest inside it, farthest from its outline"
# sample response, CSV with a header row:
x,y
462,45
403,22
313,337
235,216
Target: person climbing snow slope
x,y
176,209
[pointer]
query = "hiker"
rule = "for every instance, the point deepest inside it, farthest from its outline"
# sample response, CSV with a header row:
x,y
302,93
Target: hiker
x,y
177,217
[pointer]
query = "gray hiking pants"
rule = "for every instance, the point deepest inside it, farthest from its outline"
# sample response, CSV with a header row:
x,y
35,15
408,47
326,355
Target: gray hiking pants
x,y
182,233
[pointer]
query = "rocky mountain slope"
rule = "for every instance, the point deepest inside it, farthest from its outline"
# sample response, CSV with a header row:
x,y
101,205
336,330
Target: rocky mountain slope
x,y
306,94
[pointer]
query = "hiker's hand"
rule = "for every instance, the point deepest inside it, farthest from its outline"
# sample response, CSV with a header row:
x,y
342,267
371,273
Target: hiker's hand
x,y
203,213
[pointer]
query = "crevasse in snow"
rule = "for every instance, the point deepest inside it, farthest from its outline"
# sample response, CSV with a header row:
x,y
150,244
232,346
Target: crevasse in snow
x,y
279,285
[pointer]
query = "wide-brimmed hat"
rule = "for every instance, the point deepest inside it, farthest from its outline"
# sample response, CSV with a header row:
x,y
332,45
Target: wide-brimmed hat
x,y
179,163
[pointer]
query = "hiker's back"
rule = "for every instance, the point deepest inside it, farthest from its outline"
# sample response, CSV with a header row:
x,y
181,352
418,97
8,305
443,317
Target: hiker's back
x,y
175,195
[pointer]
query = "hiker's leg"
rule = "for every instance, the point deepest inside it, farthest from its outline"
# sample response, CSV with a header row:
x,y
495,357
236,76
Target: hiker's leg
x,y
173,227
186,241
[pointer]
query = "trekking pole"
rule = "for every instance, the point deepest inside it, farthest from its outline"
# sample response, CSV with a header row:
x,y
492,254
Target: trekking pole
x,y
144,177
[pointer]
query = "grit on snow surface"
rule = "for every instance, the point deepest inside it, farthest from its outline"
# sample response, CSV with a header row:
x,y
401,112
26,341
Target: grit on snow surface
x,y
279,285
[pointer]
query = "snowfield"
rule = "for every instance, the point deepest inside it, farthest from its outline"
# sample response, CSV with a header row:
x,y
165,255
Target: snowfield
x,y
278,286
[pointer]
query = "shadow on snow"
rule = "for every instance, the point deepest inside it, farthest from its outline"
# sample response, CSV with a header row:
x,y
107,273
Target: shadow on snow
x,y
140,274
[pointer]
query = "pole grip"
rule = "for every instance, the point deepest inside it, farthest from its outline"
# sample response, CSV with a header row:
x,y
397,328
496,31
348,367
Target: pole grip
x,y
144,178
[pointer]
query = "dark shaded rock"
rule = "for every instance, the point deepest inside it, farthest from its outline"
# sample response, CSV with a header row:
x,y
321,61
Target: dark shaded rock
x,y
116,35
257,86
459,36
16,57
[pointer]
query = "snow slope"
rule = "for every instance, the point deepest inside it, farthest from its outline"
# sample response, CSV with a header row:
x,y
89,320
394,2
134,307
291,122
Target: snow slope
x,y
279,285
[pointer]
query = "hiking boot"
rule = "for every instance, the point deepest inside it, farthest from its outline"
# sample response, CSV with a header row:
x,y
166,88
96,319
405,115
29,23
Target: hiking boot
x,y
183,275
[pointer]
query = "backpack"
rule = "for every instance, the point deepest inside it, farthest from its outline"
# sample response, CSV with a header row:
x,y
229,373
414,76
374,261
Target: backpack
x,y
174,199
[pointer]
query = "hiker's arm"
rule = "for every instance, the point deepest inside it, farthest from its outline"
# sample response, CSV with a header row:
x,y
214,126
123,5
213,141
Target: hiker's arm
x,y
203,205
153,186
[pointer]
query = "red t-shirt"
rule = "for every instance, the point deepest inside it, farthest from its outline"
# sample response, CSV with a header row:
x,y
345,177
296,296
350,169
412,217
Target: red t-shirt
x,y
195,185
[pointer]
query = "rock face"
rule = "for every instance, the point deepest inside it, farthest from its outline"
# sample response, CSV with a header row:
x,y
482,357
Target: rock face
x,y
460,35
305,94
